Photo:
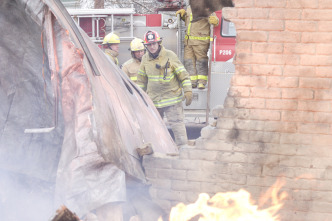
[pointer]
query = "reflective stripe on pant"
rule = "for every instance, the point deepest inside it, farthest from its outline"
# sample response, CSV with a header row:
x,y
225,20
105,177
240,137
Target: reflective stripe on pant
x,y
196,62
175,118
202,70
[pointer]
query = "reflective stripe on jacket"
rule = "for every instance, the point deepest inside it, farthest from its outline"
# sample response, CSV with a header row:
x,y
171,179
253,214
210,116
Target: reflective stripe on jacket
x,y
163,89
131,67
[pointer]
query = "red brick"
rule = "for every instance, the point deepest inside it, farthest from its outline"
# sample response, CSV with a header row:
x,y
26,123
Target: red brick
x,y
295,138
324,26
302,4
322,207
318,60
313,128
263,136
243,69
267,70
323,94
269,115
281,104
316,37
284,36
249,125
300,26
319,83
243,3
243,80
254,36
324,72
263,47
243,47
238,91
297,116
324,49
252,13
229,102
294,93
277,126
302,71
317,15
232,157
250,103
278,171
303,162
242,24
283,59
268,25
325,4
282,82
229,13
321,117
258,81
266,92
292,48
322,140
288,14
270,4
243,58
323,106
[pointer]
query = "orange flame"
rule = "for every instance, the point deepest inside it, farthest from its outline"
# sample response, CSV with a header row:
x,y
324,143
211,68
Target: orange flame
x,y
231,206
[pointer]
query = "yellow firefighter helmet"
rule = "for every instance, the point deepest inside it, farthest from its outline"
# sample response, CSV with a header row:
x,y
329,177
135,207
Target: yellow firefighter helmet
x,y
111,38
137,45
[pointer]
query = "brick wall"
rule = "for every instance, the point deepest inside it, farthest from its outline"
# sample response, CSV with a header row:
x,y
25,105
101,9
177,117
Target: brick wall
x,y
276,120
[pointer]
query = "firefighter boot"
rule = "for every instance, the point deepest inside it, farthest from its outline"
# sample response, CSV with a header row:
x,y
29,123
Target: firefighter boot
x,y
201,86
190,67
202,70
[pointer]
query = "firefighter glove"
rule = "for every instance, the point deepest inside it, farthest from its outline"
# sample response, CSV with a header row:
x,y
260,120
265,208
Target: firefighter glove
x,y
188,96
182,12
213,20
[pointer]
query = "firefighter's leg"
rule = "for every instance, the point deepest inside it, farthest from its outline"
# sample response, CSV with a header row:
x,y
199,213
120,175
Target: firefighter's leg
x,y
161,112
190,64
201,64
175,118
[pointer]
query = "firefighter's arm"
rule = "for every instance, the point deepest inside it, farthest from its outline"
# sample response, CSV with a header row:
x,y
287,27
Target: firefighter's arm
x,y
184,78
213,19
182,74
142,78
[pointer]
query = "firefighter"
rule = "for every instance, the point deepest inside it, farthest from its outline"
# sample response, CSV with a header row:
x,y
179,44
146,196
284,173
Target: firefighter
x,y
163,77
131,66
111,46
196,45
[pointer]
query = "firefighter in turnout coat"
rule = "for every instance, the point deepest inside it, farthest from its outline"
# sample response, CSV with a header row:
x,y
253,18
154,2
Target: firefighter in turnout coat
x,y
131,66
163,77
111,46
196,45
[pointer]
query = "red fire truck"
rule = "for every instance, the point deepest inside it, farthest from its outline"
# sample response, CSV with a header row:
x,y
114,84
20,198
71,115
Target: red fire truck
x,y
127,24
